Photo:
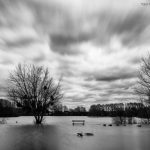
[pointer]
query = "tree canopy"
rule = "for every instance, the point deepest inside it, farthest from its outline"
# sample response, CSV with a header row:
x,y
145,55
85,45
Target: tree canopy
x,y
143,86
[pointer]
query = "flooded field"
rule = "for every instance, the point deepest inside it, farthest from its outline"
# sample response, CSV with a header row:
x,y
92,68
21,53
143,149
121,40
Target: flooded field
x,y
59,134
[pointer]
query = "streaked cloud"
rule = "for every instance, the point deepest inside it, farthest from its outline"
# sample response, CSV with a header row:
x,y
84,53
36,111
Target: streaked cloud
x,y
96,45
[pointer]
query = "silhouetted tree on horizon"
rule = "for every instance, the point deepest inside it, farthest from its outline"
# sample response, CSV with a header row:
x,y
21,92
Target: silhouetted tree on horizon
x,y
32,88
143,86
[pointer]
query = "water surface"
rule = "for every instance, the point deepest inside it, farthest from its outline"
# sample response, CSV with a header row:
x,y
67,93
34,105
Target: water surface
x,y
59,134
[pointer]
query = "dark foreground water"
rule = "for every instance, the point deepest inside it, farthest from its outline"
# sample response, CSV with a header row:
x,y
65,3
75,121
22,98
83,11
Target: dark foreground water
x,y
59,134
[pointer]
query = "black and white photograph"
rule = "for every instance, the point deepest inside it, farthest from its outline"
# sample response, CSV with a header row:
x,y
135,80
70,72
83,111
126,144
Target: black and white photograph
x,y
74,74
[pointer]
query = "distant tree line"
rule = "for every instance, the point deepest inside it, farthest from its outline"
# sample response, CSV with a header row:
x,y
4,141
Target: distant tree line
x,y
119,110
8,111
60,110
111,110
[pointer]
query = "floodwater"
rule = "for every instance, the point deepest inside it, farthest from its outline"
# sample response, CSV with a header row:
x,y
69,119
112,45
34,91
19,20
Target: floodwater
x,y
59,134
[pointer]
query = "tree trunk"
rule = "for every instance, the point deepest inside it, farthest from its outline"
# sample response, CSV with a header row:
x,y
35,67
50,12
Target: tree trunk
x,y
38,119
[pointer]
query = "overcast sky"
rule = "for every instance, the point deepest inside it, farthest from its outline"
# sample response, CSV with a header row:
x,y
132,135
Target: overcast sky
x,y
96,45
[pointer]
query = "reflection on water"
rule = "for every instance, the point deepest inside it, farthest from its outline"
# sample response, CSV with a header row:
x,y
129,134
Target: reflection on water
x,y
29,137
59,134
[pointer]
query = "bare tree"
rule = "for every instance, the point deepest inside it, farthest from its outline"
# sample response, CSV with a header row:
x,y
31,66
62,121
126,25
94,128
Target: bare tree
x,y
32,88
143,86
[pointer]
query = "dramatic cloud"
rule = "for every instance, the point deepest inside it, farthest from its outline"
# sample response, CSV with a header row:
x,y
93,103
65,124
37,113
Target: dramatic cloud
x,y
94,45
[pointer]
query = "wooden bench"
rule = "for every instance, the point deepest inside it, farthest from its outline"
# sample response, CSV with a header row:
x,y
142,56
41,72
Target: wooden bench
x,y
78,122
